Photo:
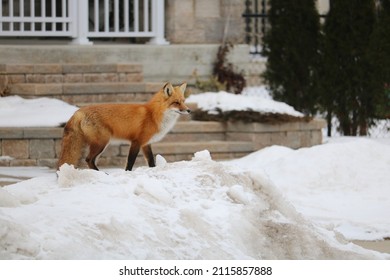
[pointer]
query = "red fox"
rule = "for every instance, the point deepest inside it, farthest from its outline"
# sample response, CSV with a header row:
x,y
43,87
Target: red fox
x,y
141,124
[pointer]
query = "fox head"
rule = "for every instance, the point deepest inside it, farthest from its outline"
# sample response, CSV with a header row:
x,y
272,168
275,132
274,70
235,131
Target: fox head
x,y
174,96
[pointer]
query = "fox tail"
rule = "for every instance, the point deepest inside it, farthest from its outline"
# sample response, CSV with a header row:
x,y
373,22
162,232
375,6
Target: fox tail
x,y
72,142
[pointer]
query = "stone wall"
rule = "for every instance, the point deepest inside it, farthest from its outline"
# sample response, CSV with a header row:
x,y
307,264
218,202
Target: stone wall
x,y
204,21
41,146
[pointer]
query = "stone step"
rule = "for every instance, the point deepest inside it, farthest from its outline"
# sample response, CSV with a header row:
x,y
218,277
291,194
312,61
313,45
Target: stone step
x,y
116,153
69,68
188,130
88,93
185,129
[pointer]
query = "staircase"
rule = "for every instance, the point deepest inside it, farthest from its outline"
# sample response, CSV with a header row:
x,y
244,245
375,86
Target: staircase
x,y
80,84
83,84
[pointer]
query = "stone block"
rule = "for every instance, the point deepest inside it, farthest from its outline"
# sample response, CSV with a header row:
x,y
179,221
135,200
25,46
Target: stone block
x,y
129,68
42,148
293,139
240,136
57,147
11,133
73,78
35,78
43,132
316,137
48,68
89,68
306,139
16,78
54,78
207,8
23,162
261,140
36,89
101,78
19,68
289,126
131,77
48,162
18,149
111,150
91,88
48,89
279,138
124,150
119,162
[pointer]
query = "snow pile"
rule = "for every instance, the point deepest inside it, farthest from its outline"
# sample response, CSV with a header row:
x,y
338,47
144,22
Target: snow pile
x,y
340,185
18,112
212,102
198,209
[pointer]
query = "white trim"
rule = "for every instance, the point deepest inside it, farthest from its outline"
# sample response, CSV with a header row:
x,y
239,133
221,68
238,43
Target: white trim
x,y
82,19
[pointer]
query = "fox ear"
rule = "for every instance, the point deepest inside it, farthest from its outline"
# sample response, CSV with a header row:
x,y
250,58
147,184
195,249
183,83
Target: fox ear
x,y
168,89
183,88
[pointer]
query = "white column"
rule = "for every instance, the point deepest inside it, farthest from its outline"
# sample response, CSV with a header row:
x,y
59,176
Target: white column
x,y
158,23
79,14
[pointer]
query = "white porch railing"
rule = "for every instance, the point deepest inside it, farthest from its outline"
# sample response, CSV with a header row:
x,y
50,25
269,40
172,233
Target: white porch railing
x,y
83,19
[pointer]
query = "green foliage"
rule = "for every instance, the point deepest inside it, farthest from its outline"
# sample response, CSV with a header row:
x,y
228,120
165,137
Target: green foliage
x,y
291,47
378,53
342,69
347,81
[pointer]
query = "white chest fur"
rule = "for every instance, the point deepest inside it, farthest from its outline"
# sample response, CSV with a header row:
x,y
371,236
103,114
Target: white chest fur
x,y
169,120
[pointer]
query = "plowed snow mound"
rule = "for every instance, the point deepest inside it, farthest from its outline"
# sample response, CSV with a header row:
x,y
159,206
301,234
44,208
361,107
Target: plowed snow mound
x,y
198,209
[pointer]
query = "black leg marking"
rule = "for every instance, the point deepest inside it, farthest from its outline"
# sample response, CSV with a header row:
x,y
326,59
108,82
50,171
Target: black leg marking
x,y
148,154
133,153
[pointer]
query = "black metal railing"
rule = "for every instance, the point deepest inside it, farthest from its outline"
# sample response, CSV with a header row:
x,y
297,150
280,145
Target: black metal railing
x,y
255,16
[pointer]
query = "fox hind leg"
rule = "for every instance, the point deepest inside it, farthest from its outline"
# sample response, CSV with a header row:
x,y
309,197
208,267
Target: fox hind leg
x,y
148,154
94,151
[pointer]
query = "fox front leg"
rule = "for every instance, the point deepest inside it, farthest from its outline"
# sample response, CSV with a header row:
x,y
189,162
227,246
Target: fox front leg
x,y
133,153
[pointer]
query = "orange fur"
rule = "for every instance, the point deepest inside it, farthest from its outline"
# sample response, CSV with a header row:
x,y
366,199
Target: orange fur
x,y
141,124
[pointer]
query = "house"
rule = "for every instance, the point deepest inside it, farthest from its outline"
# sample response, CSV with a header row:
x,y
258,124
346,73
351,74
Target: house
x,y
153,41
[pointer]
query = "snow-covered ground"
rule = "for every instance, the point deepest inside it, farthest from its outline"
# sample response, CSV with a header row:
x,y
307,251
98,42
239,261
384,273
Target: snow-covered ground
x,y
277,203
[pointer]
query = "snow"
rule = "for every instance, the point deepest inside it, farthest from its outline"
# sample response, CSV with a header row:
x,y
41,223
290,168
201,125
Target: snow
x,y
255,100
343,185
276,203
16,111
198,209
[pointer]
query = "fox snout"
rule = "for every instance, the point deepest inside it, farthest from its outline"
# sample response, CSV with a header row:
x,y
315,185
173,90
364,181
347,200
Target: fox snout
x,y
185,112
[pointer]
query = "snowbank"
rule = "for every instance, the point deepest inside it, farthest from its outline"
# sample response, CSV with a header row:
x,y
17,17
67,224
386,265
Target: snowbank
x,y
343,185
197,209
47,112
253,100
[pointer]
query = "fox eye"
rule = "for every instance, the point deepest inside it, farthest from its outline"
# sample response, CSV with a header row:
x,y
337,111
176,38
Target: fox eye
x,y
176,103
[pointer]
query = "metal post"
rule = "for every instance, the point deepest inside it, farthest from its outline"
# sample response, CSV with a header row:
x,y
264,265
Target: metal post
x,y
79,14
248,28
